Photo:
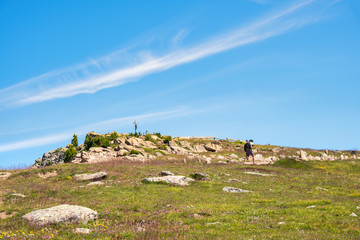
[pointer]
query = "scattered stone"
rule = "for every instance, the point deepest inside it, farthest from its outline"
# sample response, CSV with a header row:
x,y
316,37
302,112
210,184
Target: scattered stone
x,y
234,156
259,174
235,190
303,155
173,180
82,230
320,188
222,162
233,180
3,215
90,176
200,176
95,184
281,223
48,174
18,195
312,206
4,175
61,214
166,173
197,216
259,157
199,148
210,147
357,207
213,223
353,215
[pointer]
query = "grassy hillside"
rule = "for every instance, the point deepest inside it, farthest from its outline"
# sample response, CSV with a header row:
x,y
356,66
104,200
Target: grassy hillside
x,y
302,200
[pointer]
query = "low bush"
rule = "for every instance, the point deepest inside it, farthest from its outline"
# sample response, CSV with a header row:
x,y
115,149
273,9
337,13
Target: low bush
x,y
96,142
133,151
167,139
70,154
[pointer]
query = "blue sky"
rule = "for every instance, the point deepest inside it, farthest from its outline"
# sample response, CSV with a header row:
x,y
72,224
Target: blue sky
x,y
279,72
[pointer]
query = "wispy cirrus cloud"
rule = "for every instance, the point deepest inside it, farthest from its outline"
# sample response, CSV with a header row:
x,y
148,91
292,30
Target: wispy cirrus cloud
x,y
110,71
98,126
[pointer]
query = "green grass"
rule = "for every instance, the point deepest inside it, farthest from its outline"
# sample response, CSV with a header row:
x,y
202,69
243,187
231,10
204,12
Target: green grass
x,y
130,209
292,163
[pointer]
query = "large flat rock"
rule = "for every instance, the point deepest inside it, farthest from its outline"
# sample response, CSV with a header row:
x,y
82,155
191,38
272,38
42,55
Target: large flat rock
x,y
90,176
61,214
173,180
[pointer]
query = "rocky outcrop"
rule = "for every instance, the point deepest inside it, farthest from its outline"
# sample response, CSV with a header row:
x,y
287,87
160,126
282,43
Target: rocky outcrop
x,y
68,214
90,176
172,180
53,157
4,175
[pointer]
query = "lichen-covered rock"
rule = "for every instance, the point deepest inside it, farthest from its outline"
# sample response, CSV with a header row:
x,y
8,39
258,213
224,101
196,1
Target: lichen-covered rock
x,y
173,180
53,157
90,176
61,214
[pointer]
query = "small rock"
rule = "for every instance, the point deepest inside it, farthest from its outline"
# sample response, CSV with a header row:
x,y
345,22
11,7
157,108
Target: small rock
x,y
320,188
234,190
259,174
197,216
18,195
90,176
95,184
213,223
234,156
353,215
281,223
357,207
82,230
312,206
166,173
200,176
173,180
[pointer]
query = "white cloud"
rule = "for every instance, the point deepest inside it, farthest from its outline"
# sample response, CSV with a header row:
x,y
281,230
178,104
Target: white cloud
x,y
96,74
98,126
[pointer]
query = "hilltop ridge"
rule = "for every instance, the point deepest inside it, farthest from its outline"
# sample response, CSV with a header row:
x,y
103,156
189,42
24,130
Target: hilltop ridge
x,y
138,147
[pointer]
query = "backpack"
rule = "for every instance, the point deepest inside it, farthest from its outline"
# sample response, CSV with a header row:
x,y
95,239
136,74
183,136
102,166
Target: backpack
x,y
246,146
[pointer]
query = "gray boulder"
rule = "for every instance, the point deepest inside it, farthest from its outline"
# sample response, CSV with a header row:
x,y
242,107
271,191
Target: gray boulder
x,y
90,176
61,214
173,180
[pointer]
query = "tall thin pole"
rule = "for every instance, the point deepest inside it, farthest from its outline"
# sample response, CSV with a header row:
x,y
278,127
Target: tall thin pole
x,y
136,125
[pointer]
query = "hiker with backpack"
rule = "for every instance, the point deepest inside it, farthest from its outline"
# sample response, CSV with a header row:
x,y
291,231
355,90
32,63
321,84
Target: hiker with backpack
x,y
248,148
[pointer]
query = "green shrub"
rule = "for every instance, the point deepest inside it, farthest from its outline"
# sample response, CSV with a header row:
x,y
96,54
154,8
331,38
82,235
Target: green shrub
x,y
149,138
167,139
133,151
162,147
74,141
113,136
157,134
137,134
96,142
70,154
